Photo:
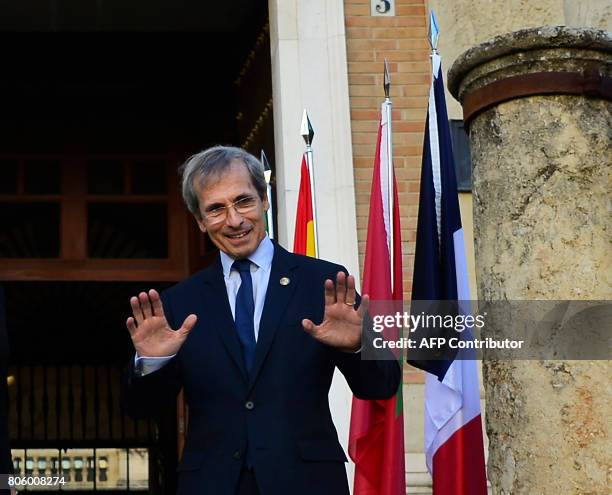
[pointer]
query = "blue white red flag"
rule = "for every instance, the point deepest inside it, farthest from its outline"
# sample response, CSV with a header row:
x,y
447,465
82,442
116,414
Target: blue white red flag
x,y
453,428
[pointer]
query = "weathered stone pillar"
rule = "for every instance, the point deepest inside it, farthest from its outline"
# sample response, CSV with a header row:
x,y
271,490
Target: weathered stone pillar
x,y
538,107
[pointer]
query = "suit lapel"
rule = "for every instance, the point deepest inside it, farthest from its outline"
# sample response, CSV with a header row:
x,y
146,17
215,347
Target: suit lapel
x,y
278,296
220,313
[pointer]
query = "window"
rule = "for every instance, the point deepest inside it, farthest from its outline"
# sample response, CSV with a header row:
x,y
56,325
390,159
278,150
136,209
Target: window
x,y
30,230
461,154
94,469
98,217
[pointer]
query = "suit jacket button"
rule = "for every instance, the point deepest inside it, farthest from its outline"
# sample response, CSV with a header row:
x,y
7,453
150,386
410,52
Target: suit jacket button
x,y
237,455
249,405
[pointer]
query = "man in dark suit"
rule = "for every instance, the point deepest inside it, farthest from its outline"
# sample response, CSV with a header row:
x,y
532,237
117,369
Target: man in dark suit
x,y
255,368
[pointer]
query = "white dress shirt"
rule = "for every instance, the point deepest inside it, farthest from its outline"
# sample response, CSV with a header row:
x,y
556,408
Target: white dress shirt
x,y
261,264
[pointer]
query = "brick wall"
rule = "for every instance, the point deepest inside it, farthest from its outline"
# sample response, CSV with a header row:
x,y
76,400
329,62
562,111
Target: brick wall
x,y
402,40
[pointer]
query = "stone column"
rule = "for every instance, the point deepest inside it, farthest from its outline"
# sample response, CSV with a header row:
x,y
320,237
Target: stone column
x,y
537,103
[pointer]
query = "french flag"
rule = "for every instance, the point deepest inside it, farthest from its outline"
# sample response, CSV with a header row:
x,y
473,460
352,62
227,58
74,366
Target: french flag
x,y
453,430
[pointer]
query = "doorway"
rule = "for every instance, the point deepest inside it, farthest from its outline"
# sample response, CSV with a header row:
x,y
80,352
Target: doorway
x,y
100,106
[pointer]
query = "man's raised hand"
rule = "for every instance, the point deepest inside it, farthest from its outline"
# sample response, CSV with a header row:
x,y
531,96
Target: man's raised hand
x,y
149,329
341,325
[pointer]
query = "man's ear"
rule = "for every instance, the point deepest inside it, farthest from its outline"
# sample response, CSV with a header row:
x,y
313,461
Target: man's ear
x,y
201,224
266,203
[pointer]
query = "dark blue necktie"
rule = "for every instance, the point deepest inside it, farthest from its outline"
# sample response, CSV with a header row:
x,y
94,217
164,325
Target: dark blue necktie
x,y
245,311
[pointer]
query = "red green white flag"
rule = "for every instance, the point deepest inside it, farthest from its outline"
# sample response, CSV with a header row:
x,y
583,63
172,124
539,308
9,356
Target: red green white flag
x,y
376,438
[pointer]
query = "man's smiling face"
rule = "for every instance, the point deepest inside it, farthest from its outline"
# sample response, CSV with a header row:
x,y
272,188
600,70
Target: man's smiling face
x,y
236,234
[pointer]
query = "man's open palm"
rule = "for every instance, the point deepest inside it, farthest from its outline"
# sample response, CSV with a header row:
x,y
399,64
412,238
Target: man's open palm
x,y
149,329
341,325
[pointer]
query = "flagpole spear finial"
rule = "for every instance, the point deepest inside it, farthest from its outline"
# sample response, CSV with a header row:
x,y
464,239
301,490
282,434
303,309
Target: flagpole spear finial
x,y
307,133
387,80
306,129
266,166
434,32
268,177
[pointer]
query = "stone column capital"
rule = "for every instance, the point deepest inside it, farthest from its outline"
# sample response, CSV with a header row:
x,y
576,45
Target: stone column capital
x,y
535,61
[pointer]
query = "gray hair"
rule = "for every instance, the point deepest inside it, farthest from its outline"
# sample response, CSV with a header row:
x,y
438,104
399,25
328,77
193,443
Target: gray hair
x,y
211,163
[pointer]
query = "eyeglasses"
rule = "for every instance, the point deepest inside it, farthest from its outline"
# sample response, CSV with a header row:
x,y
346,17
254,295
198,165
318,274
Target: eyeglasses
x,y
242,207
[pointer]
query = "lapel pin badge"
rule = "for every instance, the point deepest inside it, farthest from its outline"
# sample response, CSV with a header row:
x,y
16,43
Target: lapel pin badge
x,y
284,281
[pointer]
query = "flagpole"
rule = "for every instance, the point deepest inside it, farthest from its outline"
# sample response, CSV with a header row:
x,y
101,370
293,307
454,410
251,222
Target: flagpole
x,y
268,177
433,36
308,133
388,106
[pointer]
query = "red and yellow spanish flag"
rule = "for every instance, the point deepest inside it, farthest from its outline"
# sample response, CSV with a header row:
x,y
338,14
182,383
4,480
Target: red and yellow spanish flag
x,y
304,240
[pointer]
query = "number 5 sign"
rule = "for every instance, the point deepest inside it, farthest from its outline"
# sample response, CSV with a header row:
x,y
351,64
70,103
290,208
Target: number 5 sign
x,y
384,8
